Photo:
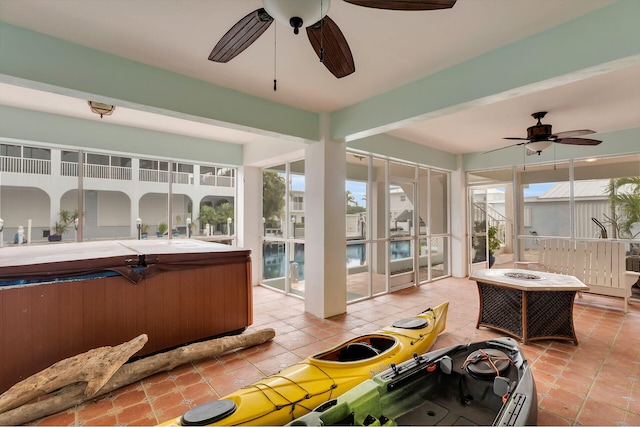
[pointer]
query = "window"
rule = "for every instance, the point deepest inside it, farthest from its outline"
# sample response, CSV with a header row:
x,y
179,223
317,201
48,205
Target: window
x,y
36,153
97,159
124,162
10,150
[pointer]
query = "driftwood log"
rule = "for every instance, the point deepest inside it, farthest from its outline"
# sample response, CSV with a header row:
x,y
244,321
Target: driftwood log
x,y
75,393
95,368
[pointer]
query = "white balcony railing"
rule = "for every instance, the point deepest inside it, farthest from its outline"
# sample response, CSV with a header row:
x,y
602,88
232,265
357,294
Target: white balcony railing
x,y
182,178
96,171
217,181
25,165
70,169
153,175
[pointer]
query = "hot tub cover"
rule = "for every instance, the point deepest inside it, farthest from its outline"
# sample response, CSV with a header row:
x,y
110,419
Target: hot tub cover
x,y
133,259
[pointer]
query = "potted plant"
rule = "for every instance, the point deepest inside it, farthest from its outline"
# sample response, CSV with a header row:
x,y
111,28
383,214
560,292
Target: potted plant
x,y
162,228
175,231
65,218
144,231
494,243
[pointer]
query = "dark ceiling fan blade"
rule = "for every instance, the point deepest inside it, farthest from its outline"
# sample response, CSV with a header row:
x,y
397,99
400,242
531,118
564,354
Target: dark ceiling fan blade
x,y
405,4
572,133
516,139
508,146
578,141
336,54
241,35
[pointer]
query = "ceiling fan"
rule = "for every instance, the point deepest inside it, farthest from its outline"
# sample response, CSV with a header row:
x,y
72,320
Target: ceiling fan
x,y
539,137
324,34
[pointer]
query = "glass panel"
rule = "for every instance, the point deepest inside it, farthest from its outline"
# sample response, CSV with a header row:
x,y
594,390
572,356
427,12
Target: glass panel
x,y
37,153
283,220
296,199
10,150
400,209
273,264
401,255
545,189
423,215
438,194
121,161
216,215
70,156
97,159
296,268
401,224
607,198
274,189
438,249
148,164
357,271
378,262
356,196
478,249
110,201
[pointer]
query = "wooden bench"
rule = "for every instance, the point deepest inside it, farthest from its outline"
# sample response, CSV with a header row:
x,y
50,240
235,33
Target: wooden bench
x,y
599,264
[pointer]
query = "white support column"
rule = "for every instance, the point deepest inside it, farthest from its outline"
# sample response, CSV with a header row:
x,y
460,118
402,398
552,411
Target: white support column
x,y
458,222
54,192
325,227
134,195
249,229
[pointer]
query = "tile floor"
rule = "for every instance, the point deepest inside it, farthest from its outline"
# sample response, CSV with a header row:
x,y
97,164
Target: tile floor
x,y
595,383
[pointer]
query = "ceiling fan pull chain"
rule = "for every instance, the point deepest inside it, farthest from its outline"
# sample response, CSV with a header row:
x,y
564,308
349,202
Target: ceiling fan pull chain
x,y
321,28
275,56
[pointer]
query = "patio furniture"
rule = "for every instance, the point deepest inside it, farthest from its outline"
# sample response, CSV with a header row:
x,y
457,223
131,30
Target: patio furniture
x,y
527,305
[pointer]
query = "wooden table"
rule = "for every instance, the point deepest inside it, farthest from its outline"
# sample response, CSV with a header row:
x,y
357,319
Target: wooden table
x,y
528,305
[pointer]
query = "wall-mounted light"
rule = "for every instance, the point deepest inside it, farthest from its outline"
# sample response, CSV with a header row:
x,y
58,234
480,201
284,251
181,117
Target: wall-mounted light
x,y
101,109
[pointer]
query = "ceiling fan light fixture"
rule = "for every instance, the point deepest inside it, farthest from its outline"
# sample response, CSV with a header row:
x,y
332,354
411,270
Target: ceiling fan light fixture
x,y
297,13
538,146
101,109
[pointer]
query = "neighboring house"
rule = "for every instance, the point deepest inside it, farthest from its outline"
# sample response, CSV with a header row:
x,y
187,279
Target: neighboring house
x,y
549,213
39,182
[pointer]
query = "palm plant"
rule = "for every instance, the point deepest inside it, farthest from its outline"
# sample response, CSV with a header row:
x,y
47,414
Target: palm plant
x,y
65,218
625,206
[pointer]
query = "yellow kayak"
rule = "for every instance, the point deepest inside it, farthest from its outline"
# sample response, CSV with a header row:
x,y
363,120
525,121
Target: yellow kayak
x,y
298,389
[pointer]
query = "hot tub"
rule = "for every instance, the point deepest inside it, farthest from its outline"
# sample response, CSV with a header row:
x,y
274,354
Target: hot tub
x,y
59,300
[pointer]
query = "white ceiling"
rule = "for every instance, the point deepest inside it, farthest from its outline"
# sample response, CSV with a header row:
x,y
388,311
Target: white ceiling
x,y
390,48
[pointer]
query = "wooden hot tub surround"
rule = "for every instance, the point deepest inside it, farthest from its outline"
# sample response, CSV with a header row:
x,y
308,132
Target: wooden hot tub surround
x,y
60,300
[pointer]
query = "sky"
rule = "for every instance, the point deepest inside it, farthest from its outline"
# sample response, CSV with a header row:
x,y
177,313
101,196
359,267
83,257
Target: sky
x,y
359,189
535,190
